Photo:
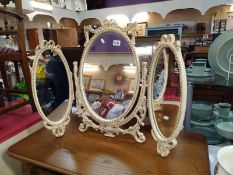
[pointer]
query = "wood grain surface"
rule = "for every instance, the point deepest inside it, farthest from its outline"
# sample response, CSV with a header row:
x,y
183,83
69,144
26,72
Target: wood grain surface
x,y
91,153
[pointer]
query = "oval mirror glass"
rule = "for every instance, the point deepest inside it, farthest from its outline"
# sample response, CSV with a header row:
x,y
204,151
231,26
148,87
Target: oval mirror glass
x,y
110,75
52,91
166,86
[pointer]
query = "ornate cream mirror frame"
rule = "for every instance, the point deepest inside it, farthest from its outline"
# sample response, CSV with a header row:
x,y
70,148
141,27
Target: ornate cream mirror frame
x,y
165,144
57,127
137,109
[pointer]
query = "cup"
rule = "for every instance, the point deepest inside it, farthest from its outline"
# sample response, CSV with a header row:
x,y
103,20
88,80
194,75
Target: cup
x,y
225,159
216,107
224,109
202,60
198,68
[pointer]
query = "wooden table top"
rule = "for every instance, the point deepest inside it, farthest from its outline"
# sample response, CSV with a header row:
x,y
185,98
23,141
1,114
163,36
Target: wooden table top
x,y
91,153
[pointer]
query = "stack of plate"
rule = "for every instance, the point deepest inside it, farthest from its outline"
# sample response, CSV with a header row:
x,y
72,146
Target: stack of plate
x,y
202,114
225,129
207,76
213,138
202,122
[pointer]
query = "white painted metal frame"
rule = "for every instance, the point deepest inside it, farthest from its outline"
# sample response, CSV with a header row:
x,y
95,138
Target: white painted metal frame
x,y
165,144
57,127
137,108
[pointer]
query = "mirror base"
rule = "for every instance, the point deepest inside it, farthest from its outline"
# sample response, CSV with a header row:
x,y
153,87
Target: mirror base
x,y
112,129
58,130
164,148
109,135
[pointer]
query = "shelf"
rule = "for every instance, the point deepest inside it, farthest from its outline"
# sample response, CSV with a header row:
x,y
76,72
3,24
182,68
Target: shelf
x,y
157,38
110,52
11,57
10,32
194,35
5,2
154,38
8,109
11,13
105,92
148,40
15,55
14,91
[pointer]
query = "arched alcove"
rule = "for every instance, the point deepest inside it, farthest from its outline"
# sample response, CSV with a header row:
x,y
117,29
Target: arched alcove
x,y
154,19
68,22
213,10
189,17
90,21
182,15
39,23
42,21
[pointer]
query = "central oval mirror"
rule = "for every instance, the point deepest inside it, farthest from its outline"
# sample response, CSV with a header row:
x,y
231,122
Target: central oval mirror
x,y
109,80
52,88
109,76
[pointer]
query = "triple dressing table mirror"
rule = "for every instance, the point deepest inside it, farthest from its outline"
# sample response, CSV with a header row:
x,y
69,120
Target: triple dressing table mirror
x,y
113,92
52,87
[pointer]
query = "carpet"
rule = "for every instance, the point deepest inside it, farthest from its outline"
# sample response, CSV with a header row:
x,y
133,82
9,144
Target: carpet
x,y
16,121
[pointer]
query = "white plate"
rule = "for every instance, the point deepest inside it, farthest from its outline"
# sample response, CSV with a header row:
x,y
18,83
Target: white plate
x,y
225,158
219,54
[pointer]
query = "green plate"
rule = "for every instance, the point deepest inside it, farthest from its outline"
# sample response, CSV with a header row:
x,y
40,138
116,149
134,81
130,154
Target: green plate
x,y
204,75
201,118
210,134
226,126
220,53
222,116
225,129
201,107
203,123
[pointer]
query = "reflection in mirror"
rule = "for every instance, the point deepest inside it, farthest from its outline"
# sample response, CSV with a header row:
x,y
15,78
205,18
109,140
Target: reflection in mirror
x,y
166,84
52,85
109,75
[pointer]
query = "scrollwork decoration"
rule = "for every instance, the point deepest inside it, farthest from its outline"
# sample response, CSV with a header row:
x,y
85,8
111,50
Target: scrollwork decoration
x,y
112,129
